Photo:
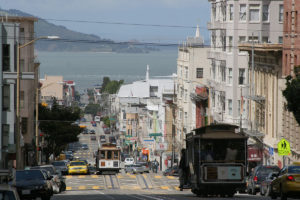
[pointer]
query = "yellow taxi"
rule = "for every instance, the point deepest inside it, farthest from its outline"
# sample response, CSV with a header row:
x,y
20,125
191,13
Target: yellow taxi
x,y
77,167
287,183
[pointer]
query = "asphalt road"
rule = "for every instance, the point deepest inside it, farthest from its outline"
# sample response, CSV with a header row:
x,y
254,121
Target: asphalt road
x,y
124,186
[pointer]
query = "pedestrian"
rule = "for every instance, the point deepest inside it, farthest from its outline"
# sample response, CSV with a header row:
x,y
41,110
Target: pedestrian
x,y
156,164
182,170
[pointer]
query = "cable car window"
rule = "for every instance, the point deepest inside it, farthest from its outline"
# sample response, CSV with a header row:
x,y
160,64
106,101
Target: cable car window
x,y
102,154
109,154
116,154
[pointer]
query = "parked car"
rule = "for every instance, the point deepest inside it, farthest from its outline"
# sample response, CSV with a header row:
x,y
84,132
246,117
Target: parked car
x,y
84,147
93,137
259,174
171,171
56,175
77,167
265,185
145,166
102,139
287,183
33,184
8,192
128,161
135,169
62,166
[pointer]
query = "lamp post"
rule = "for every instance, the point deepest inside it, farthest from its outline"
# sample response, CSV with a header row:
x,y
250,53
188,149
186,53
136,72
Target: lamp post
x,y
19,164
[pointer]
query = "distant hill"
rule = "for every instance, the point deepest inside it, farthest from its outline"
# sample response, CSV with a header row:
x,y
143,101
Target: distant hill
x,y
74,41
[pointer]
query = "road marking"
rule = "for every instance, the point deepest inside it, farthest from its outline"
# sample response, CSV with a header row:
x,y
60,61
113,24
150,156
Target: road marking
x,y
69,176
82,187
164,187
119,176
95,176
96,187
177,188
171,177
157,176
132,176
68,188
81,176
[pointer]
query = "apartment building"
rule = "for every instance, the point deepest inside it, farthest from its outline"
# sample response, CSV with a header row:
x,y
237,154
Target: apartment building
x,y
290,57
232,23
9,37
193,68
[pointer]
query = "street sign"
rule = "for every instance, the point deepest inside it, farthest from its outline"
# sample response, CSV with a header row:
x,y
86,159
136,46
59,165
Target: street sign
x,y
161,146
284,147
271,151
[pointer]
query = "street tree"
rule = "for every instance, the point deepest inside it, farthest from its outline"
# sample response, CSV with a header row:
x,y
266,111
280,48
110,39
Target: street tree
x,y
292,94
92,109
58,127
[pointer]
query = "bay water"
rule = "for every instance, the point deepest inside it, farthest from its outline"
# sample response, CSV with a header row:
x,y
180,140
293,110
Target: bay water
x,y
87,69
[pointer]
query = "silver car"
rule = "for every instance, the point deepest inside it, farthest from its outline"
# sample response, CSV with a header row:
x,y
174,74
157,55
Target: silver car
x,y
135,169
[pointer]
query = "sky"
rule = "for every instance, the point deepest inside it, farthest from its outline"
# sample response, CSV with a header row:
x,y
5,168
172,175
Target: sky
x,y
159,12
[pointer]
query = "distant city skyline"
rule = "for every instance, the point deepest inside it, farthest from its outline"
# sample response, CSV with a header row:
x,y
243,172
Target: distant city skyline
x,y
188,13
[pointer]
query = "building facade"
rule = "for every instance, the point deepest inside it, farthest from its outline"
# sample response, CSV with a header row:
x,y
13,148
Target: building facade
x,y
192,94
232,23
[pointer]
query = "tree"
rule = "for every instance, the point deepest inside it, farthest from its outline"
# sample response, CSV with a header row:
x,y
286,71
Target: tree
x,y
105,81
112,87
58,127
92,109
292,94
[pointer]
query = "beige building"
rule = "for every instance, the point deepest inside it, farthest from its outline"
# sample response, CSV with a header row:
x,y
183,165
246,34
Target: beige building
x,y
267,105
193,69
28,68
52,87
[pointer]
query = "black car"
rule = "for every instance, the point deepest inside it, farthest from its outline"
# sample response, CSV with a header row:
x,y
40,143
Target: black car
x,y
84,147
171,171
265,185
62,166
259,174
33,184
92,132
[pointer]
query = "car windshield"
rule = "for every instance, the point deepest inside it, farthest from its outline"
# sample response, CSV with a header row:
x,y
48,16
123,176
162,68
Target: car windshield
x,y
77,163
29,175
294,169
59,164
49,169
267,170
7,195
137,165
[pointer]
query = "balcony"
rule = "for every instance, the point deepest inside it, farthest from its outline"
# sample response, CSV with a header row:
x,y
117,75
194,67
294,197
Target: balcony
x,y
216,25
211,54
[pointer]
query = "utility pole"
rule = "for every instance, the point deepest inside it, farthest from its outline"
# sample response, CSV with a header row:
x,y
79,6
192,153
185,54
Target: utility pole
x,y
173,127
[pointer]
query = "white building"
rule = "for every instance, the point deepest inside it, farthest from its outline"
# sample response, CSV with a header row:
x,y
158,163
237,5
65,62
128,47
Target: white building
x,y
193,69
234,22
146,99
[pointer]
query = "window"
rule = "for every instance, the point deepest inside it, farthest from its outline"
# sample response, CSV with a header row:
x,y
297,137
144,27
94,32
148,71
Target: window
x,y
223,70
229,107
254,38
242,39
199,73
280,13
5,136
24,125
6,97
213,99
186,73
265,39
213,68
181,92
185,95
254,13
243,8
229,75
109,155
265,14
241,76
102,154
213,38
231,12
116,154
22,99
5,57
223,42
280,39
230,43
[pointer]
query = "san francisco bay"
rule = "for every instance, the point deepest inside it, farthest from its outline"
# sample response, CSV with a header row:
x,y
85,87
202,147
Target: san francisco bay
x,y
87,69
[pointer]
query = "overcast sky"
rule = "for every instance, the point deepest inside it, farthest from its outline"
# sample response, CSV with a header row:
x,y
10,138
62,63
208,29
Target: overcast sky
x,y
162,12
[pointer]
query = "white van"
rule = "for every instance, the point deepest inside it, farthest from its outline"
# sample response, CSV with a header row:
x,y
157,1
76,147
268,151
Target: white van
x,y
129,161
97,119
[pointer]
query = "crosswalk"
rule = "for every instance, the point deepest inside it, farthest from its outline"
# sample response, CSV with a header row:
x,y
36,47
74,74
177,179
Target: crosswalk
x,y
121,182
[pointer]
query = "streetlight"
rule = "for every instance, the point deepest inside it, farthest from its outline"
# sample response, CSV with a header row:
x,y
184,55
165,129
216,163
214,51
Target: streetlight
x,y
19,164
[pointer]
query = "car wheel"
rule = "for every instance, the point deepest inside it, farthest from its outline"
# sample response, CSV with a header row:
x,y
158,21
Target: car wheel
x,y
262,193
282,195
253,192
46,197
